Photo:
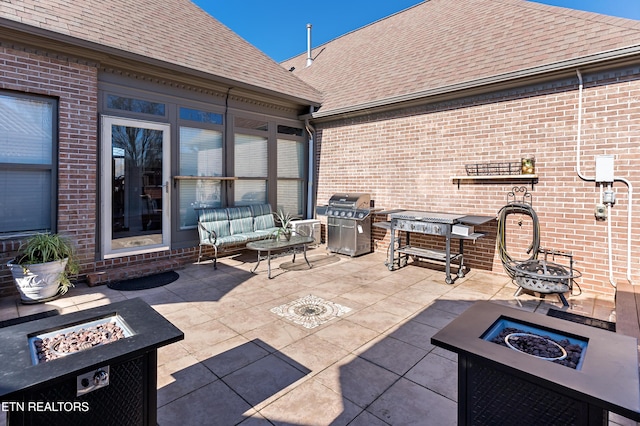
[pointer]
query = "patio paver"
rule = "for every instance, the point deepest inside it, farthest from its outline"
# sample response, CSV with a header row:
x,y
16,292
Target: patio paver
x,y
240,363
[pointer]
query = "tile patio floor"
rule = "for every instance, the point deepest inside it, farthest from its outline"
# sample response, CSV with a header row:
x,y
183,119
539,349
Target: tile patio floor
x,y
241,363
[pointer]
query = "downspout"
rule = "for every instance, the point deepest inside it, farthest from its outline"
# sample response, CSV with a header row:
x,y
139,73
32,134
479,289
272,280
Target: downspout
x,y
629,192
311,173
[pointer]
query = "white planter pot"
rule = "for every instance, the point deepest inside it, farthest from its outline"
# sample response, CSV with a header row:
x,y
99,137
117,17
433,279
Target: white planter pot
x,y
39,282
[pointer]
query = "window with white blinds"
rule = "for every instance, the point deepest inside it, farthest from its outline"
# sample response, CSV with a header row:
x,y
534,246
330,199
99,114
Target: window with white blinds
x,y
28,128
251,169
201,154
291,164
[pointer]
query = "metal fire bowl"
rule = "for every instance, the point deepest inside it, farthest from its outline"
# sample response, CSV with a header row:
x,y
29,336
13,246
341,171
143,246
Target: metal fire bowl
x,y
544,277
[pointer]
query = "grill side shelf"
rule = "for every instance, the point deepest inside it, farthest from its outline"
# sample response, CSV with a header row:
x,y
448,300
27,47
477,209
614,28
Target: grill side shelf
x,y
433,254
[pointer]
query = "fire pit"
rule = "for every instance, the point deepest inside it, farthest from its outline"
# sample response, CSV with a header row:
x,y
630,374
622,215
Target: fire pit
x,y
67,341
542,344
502,385
96,366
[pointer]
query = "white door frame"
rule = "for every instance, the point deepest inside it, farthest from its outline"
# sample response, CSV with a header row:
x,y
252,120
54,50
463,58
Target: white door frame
x,y
106,180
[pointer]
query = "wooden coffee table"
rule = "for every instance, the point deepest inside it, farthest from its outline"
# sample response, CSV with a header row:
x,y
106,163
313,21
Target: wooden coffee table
x,y
273,245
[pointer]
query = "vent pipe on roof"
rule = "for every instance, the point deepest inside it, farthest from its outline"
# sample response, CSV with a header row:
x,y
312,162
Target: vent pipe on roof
x,y
309,58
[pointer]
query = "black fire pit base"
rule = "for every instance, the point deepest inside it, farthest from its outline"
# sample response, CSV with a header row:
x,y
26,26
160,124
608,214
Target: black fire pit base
x,y
496,397
498,385
124,402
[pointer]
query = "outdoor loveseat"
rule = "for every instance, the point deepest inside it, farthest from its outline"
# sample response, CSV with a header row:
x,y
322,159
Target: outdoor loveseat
x,y
233,227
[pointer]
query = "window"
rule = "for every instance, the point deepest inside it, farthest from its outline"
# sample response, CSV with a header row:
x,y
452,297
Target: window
x,y
200,155
288,130
251,168
135,105
28,175
200,116
291,166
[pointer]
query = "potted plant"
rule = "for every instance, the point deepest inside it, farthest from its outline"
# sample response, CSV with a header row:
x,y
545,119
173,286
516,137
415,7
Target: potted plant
x,y
284,221
42,268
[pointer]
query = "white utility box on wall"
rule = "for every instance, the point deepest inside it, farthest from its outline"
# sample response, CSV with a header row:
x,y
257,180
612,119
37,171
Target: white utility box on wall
x,y
604,168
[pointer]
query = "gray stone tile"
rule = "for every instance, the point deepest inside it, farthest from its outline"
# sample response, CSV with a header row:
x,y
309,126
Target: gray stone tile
x,y
8,308
213,404
187,317
407,404
256,419
364,295
438,374
264,379
434,317
201,336
358,380
397,306
231,355
277,334
311,403
314,353
171,352
416,334
416,295
375,318
453,306
180,377
346,334
248,319
392,354
367,419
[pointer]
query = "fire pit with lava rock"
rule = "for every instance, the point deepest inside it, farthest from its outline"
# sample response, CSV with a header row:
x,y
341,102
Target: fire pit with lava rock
x,y
561,352
60,343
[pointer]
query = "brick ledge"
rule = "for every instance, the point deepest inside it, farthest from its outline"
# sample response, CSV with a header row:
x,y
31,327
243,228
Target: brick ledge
x,y
128,272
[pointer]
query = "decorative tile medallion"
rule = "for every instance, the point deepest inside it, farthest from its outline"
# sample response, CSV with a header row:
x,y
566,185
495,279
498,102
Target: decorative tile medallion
x,y
310,311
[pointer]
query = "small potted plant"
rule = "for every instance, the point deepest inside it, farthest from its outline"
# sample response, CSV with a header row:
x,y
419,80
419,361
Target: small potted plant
x,y
284,221
42,268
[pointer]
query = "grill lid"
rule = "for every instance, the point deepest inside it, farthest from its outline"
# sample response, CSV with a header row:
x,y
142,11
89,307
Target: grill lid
x,y
357,214
350,201
435,217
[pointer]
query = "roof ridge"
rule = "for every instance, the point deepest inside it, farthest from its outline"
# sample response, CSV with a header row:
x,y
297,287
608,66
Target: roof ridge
x,y
589,16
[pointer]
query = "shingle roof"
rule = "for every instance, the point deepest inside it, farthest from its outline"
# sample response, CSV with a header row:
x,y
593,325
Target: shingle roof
x,y
174,31
442,43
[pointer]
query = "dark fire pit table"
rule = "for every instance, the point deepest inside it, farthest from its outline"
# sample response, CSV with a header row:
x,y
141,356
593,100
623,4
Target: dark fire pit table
x,y
110,381
498,385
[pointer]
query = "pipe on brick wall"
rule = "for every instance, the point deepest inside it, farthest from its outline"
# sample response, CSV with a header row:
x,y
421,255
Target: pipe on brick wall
x,y
310,182
625,181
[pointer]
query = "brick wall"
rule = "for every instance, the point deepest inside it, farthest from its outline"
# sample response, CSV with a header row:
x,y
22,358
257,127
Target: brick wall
x,y
74,84
406,159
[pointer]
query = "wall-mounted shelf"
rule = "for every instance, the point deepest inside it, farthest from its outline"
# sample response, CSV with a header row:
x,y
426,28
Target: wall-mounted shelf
x,y
531,178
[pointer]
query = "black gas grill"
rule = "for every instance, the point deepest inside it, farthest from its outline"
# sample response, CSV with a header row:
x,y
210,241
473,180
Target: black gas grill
x,y
349,224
